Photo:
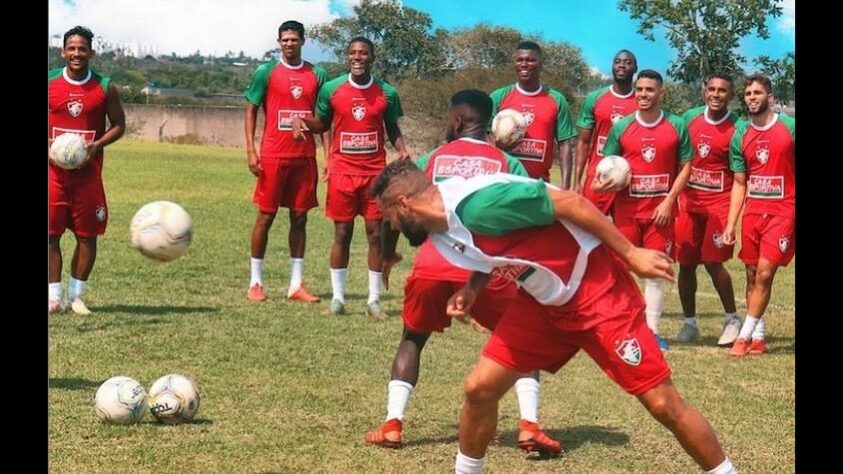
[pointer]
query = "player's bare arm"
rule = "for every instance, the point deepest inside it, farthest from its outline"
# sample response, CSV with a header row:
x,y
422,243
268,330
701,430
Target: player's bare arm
x,y
393,132
661,215
460,303
735,207
116,119
581,154
252,157
312,124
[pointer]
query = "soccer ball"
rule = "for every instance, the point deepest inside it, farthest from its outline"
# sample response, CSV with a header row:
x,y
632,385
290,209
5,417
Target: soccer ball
x,y
614,168
173,399
68,151
508,127
161,231
120,400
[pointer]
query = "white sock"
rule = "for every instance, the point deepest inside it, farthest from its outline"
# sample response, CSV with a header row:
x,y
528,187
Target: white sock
x,y
75,288
527,389
257,269
725,467
692,321
397,397
374,286
54,291
758,332
654,297
296,270
468,465
727,317
747,328
338,284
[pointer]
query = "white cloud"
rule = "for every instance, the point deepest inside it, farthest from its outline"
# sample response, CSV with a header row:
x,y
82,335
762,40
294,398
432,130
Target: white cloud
x,y
184,26
594,70
787,22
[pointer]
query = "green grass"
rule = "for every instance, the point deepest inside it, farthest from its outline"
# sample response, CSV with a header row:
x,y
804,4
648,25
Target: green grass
x,y
286,389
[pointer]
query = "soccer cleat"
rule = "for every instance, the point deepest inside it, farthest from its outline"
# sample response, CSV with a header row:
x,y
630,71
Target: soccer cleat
x,y
731,329
688,333
739,348
387,436
337,308
375,310
532,439
757,347
303,294
256,293
78,307
663,345
54,306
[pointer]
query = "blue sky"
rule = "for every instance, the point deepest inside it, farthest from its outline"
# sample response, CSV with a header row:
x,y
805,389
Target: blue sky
x,y
217,26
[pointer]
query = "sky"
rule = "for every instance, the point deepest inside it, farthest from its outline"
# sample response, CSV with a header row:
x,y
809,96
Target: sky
x,y
217,26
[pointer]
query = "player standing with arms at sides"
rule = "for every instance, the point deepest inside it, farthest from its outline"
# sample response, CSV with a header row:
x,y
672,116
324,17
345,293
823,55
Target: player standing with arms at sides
x,y
602,109
656,144
763,157
704,209
285,167
433,279
79,101
357,107
549,124
574,293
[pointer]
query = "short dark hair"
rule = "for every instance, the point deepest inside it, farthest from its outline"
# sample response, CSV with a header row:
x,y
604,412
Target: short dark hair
x,y
760,78
477,100
405,171
720,75
362,39
650,74
291,25
79,31
530,46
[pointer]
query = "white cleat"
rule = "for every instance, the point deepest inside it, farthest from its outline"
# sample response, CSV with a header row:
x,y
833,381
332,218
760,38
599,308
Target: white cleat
x,y
78,307
731,330
54,306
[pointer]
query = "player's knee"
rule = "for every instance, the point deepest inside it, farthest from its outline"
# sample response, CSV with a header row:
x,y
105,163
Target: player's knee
x,y
298,220
479,392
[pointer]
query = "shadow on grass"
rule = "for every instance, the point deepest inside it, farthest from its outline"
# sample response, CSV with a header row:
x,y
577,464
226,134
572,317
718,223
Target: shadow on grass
x,y
197,421
73,383
153,310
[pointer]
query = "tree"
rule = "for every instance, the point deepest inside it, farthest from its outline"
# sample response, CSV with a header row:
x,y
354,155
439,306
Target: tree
x,y
403,45
782,72
704,33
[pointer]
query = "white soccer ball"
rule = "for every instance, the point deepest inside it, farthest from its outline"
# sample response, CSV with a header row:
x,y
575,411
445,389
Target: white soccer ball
x,y
161,231
120,400
508,127
613,168
173,399
68,151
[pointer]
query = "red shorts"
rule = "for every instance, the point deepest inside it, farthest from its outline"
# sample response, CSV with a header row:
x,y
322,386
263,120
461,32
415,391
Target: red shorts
x,y
425,302
603,201
768,236
642,232
527,339
77,202
348,196
286,183
699,238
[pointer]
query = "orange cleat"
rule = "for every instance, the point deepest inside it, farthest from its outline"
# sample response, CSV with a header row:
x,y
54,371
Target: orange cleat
x,y
256,293
533,439
388,436
739,348
303,294
757,347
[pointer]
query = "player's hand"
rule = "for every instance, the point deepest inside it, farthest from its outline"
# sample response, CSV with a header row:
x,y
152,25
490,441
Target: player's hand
x,y
386,267
460,303
404,155
661,215
608,186
298,127
325,173
648,263
729,235
254,162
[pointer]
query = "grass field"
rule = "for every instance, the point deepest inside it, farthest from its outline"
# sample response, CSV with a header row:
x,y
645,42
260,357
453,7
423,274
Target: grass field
x,y
286,389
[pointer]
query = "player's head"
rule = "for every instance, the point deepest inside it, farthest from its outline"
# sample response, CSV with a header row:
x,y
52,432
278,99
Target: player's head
x,y
76,49
290,40
624,66
649,89
399,190
757,93
718,90
527,60
468,114
361,55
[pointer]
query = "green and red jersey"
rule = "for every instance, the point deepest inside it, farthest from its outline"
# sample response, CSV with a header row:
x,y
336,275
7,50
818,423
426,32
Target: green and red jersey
x,y
600,110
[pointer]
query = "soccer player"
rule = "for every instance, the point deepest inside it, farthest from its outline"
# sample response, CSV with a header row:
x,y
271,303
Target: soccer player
x,y
549,124
656,144
762,155
704,208
79,100
602,109
358,106
574,293
285,168
433,280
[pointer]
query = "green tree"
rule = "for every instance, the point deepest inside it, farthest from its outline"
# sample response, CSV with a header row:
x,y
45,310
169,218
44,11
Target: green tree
x,y
403,45
705,33
783,74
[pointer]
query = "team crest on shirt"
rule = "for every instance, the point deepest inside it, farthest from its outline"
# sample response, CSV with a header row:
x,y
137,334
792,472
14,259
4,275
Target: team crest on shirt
x,y
784,243
100,213
75,107
629,350
703,149
762,153
615,117
358,111
458,247
529,116
296,91
648,152
718,240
